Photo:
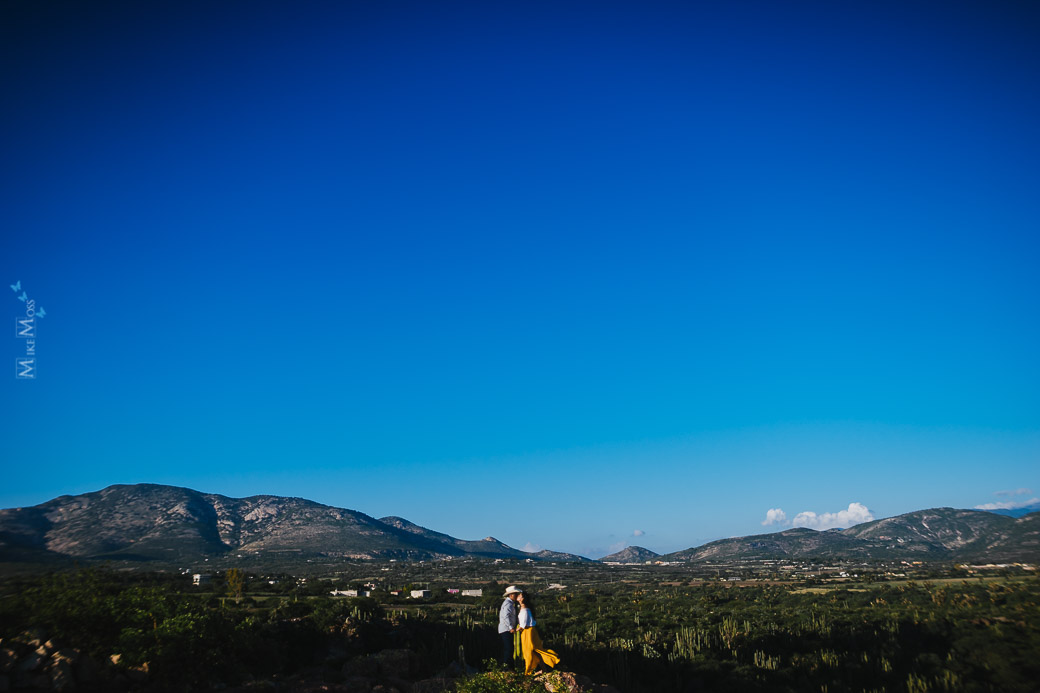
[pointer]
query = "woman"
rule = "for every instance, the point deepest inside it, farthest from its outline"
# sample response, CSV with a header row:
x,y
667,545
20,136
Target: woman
x,y
530,642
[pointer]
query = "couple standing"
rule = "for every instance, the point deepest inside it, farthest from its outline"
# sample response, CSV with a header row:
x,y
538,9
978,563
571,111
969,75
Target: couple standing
x,y
511,622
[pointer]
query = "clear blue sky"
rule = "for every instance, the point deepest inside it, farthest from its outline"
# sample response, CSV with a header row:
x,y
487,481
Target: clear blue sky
x,y
555,272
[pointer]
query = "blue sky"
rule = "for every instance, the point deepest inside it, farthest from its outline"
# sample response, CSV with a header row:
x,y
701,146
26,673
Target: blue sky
x,y
575,275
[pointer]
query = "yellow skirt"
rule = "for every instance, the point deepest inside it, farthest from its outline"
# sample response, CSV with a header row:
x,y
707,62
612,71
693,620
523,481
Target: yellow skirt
x,y
534,652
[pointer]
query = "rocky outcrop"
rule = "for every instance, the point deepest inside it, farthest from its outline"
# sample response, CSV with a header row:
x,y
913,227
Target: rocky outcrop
x,y
34,662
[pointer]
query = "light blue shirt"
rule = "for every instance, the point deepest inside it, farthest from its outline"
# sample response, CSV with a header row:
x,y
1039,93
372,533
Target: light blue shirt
x,y
507,616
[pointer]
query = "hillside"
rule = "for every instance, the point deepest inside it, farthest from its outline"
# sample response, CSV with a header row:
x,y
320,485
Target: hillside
x,y
1019,542
151,522
937,534
938,530
488,547
547,555
631,554
799,542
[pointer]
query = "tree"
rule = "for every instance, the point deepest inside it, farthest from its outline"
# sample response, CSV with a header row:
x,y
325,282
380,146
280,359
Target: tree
x,y
236,582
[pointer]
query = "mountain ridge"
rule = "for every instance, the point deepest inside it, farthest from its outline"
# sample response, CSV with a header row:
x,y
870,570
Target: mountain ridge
x,y
154,522
631,554
150,523
956,535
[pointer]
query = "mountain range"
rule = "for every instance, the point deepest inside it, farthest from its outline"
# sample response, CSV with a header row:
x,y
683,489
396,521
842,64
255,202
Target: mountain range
x,y
152,523
938,534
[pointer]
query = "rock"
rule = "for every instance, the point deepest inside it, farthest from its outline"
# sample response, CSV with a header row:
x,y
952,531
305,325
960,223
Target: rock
x,y
34,637
8,659
433,686
138,674
40,681
31,662
62,678
67,654
51,646
87,670
5,683
115,659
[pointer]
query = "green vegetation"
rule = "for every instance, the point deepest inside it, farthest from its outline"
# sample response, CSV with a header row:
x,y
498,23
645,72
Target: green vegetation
x,y
910,637
498,680
640,636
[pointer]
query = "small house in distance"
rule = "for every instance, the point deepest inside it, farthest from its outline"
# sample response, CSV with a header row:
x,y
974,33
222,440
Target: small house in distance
x,y
421,594
344,593
200,579
473,593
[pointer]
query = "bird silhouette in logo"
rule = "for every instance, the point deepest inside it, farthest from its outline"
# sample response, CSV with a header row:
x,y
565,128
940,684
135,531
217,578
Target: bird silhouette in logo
x,y
41,313
23,296
17,286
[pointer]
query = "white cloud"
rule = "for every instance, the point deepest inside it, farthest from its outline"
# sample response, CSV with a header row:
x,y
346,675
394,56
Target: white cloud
x,y
854,515
775,516
1016,492
531,548
638,533
1007,505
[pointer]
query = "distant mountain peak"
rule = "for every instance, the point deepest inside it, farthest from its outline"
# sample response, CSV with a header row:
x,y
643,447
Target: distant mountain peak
x,y
631,554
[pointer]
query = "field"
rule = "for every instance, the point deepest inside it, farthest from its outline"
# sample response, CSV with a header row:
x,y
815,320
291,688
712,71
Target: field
x,y
637,628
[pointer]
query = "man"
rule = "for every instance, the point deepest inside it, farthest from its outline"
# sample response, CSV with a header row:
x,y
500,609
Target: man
x,y
507,623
